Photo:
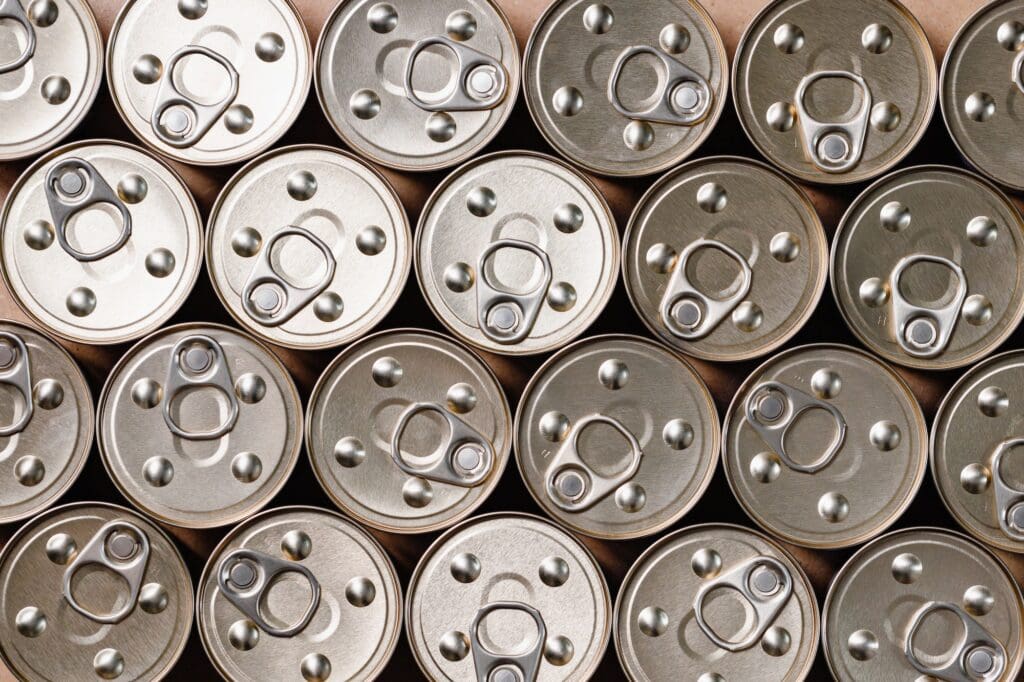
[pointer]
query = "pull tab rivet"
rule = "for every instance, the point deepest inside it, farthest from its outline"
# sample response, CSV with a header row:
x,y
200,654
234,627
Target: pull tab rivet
x,y
197,359
123,546
243,574
6,355
834,147
765,581
506,674
571,485
503,317
71,183
770,407
921,333
176,121
980,660
687,313
469,458
1016,516
482,80
686,97
266,298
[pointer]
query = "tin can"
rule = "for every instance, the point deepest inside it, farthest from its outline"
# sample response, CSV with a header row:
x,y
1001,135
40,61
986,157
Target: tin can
x,y
834,91
308,247
51,74
616,437
724,259
93,591
299,593
720,602
507,597
516,253
101,242
209,83
199,425
408,431
923,603
928,267
625,87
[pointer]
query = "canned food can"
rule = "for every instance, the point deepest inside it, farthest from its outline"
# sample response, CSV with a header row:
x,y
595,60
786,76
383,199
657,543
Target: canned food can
x,y
616,437
50,74
199,425
209,83
308,247
720,602
834,91
508,597
408,431
516,253
923,603
93,591
625,87
101,242
928,267
299,593
724,259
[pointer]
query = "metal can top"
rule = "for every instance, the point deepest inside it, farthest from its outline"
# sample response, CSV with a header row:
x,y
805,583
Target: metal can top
x,y
923,603
516,253
508,597
93,591
724,259
417,85
625,87
101,242
616,437
408,431
928,267
308,247
209,83
199,425
834,91
51,65
299,593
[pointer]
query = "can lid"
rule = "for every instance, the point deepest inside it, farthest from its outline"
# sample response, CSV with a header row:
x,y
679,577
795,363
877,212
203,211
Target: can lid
x,y
851,87
725,259
925,283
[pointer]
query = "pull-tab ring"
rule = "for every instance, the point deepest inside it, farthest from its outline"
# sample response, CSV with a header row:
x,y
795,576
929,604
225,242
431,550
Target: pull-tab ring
x,y
507,317
981,657
198,361
834,147
480,83
12,9
764,582
925,332
1009,500
244,575
464,459
16,371
120,547
772,408
684,98
180,121
489,664
689,313
574,486
73,185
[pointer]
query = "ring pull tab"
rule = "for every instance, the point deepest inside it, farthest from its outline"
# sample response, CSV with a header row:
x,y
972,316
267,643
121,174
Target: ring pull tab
x,y
834,147
12,9
245,575
925,332
687,312
480,83
507,317
16,371
180,121
684,98
1009,500
496,667
464,459
73,185
764,582
196,362
772,408
271,300
981,656
120,547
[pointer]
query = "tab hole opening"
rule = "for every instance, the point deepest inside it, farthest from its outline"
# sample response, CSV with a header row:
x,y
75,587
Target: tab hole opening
x,y
810,434
729,614
714,273
834,99
99,590
285,599
508,632
604,449
298,261
13,404
1011,467
928,284
642,82
435,74
94,228
425,435
198,409
13,41
514,271
939,638
201,79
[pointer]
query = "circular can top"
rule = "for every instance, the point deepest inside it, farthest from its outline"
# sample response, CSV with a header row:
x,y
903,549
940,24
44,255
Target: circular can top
x,y
417,85
725,259
508,597
299,593
625,87
516,253
308,247
616,437
93,591
408,431
199,425
834,91
719,601
923,603
209,83
926,283
101,242
50,71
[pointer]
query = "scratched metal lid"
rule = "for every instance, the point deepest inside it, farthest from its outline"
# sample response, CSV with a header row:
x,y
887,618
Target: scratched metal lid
x,y
516,253
724,259
308,247
508,598
199,425
51,64
299,593
417,85
101,242
616,437
408,431
209,83
834,91
927,283
625,87
923,604
93,591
